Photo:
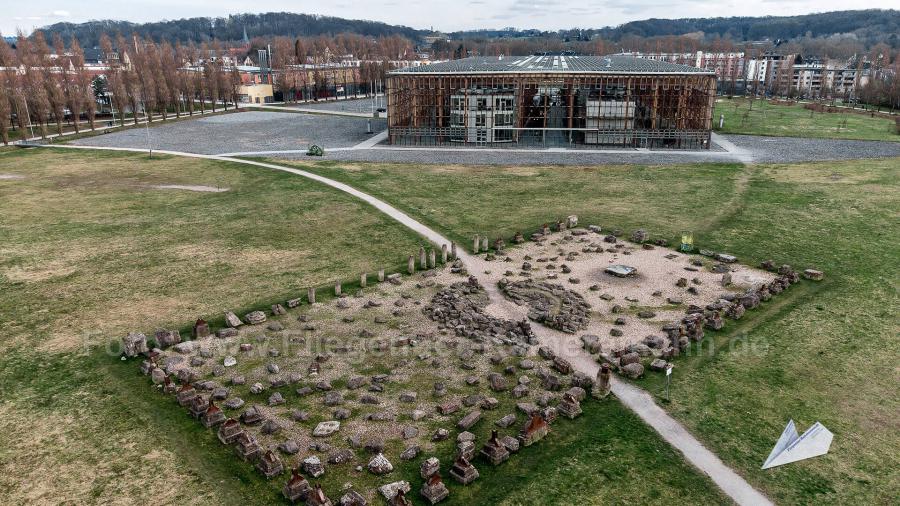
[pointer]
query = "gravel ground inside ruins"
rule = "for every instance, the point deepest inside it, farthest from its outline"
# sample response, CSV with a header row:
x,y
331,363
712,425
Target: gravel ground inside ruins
x,y
658,271
244,131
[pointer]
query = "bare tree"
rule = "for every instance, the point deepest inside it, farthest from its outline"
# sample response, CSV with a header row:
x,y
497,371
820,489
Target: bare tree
x,y
155,69
83,83
171,75
115,80
186,57
211,65
36,102
64,72
145,75
7,91
129,74
52,78
199,77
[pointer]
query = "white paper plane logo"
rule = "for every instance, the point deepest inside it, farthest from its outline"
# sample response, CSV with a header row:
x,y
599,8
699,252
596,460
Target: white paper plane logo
x,y
792,447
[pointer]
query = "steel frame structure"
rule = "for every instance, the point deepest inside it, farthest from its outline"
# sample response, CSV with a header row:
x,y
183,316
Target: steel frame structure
x,y
640,110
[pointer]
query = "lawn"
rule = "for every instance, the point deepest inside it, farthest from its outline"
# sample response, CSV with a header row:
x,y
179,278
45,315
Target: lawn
x,y
464,201
759,117
89,250
825,352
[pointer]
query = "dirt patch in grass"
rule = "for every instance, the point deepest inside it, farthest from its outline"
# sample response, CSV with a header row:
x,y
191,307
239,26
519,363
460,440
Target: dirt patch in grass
x,y
193,188
39,273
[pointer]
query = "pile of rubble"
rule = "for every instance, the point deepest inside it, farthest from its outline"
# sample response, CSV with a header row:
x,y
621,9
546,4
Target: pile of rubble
x,y
460,307
550,304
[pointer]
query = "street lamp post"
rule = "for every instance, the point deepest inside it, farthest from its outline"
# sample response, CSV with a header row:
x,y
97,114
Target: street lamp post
x,y
147,127
28,115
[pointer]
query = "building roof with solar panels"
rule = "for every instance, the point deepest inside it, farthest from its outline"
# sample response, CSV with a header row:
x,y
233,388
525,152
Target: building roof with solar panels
x,y
552,64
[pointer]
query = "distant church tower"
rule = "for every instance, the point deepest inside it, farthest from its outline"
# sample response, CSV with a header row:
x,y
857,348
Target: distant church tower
x,y
246,39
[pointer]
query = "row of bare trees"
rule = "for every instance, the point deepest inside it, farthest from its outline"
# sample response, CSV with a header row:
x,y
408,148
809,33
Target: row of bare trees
x,y
49,87
308,67
167,79
34,88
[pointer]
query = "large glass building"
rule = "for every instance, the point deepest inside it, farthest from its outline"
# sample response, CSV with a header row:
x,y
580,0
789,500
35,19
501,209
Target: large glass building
x,y
552,101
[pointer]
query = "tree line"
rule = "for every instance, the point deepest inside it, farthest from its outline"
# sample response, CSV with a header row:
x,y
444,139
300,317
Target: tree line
x,y
867,27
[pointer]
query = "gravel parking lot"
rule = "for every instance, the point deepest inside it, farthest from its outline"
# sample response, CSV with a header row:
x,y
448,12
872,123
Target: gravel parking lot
x,y
255,131
512,157
360,105
245,131
758,150
795,149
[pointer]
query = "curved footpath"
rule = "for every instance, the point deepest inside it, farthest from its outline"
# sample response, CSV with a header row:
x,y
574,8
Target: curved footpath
x,y
631,396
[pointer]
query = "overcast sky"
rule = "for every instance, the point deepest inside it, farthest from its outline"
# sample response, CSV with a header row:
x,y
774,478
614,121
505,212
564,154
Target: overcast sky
x,y
446,15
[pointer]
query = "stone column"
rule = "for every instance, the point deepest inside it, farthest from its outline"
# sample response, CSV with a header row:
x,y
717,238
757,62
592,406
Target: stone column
x,y
443,253
453,251
484,243
411,264
363,278
432,259
476,246
381,275
311,295
337,289
601,387
423,263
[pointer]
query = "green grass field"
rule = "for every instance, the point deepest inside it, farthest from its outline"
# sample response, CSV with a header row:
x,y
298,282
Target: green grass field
x,y
89,251
825,352
494,201
759,117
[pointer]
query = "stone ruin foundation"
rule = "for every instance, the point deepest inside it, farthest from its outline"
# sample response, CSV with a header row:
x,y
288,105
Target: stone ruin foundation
x,y
450,360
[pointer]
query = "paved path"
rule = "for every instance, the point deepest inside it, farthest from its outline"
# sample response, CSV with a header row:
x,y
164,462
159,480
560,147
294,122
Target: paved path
x,y
632,397
676,435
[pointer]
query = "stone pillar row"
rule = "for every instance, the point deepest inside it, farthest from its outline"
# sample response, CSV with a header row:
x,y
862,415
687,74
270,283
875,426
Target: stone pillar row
x,y
427,260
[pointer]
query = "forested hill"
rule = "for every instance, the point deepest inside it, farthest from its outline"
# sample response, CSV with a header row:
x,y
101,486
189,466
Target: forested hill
x,y
228,29
869,26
